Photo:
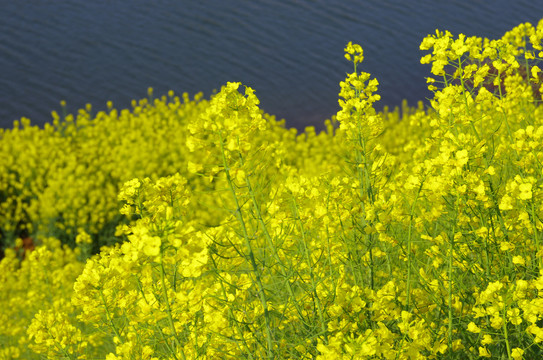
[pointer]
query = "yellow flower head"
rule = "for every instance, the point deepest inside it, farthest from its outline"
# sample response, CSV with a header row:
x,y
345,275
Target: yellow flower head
x,y
354,53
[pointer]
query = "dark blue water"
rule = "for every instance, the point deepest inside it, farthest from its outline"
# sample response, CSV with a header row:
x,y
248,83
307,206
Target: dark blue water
x,y
290,52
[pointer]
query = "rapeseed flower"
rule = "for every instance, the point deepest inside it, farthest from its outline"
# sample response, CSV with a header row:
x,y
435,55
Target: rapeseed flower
x,y
394,234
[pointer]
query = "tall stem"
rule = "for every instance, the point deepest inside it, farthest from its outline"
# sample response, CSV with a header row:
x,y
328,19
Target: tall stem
x,y
409,249
168,308
239,216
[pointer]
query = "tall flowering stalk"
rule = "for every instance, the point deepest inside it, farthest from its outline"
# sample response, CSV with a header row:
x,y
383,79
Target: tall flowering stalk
x,y
361,124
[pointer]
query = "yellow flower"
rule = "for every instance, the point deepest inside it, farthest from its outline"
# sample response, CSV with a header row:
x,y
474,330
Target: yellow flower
x,y
496,321
483,352
535,72
487,339
516,353
506,203
473,328
194,167
152,246
506,246
240,176
518,260
356,51
129,190
462,157
83,238
525,191
514,316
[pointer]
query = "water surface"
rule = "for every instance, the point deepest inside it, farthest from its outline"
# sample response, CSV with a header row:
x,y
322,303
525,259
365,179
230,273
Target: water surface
x,y
290,52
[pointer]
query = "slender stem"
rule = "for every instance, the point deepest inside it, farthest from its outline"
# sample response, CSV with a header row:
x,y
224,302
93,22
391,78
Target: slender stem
x,y
269,239
364,175
313,283
168,308
409,242
505,333
450,275
60,345
172,351
536,238
256,271
231,314
108,315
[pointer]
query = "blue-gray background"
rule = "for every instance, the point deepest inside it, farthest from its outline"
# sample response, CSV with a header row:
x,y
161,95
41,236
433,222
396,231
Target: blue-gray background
x,y
289,51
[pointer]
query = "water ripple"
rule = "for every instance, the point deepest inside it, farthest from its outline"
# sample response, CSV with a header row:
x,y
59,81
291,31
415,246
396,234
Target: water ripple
x,y
289,51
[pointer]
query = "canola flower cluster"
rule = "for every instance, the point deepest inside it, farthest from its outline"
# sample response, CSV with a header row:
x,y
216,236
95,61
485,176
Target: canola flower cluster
x,y
217,233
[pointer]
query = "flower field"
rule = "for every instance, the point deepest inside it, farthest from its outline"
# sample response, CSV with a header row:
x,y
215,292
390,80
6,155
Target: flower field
x,y
193,228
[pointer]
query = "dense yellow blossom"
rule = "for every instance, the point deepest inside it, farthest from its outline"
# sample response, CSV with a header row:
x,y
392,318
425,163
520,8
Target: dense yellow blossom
x,y
204,229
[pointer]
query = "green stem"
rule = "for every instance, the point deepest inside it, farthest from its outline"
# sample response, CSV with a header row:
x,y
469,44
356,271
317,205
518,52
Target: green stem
x,y
239,216
168,308
505,333
269,239
108,315
364,175
536,238
231,314
62,349
312,275
172,351
159,329
409,242
450,275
